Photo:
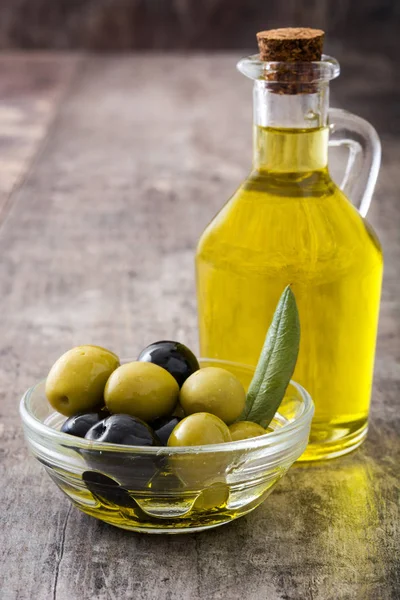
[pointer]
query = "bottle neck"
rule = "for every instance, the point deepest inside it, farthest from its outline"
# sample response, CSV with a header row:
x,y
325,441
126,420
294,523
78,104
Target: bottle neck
x,y
290,130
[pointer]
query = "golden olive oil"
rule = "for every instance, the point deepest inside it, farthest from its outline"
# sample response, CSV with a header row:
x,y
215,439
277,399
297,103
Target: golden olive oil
x,y
290,224
171,511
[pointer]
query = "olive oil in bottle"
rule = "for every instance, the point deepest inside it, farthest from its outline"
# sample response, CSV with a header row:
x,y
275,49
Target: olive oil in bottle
x,y
289,223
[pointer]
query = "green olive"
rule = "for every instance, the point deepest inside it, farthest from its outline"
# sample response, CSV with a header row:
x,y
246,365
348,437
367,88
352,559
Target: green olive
x,y
243,430
214,496
77,380
143,390
200,470
199,429
213,390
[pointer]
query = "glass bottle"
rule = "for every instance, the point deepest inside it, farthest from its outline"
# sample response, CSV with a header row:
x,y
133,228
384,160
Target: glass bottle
x,y
289,223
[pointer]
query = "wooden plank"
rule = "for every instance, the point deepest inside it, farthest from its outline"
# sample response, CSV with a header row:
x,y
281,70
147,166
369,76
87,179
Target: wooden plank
x,y
31,86
98,247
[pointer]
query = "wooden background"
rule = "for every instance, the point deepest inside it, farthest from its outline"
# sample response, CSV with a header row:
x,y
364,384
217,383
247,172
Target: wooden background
x,y
370,25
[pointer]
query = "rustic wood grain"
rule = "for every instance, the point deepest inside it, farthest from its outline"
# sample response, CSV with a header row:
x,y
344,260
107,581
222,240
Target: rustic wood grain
x,y
98,246
30,88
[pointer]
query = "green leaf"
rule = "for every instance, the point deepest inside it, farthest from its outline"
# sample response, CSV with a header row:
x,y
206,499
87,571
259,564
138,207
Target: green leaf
x,y
276,363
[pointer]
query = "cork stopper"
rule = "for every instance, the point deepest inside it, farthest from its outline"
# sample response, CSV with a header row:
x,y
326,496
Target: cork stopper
x,y
295,48
291,44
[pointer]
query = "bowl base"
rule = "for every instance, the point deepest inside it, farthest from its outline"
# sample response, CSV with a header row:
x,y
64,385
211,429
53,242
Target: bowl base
x,y
195,524
200,517
161,531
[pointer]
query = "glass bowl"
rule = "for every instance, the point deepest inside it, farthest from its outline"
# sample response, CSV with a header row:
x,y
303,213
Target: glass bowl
x,y
168,490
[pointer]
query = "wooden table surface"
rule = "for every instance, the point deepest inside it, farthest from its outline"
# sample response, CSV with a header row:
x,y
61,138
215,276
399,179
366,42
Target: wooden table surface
x,y
110,167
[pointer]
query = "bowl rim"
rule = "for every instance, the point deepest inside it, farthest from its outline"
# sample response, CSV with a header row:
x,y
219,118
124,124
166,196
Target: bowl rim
x,y
282,435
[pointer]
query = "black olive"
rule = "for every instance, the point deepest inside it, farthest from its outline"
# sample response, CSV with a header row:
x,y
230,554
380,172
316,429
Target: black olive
x,y
131,470
123,429
174,357
80,424
107,490
163,427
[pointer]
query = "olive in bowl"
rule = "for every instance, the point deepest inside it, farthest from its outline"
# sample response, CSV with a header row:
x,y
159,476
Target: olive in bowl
x,y
80,424
174,357
142,390
164,426
200,430
76,381
245,430
123,429
129,471
107,491
213,390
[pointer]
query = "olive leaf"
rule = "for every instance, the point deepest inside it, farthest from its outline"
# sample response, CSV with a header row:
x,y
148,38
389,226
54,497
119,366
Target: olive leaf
x,y
276,363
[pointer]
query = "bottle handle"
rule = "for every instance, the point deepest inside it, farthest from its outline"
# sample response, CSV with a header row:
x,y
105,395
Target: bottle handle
x,y
364,159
